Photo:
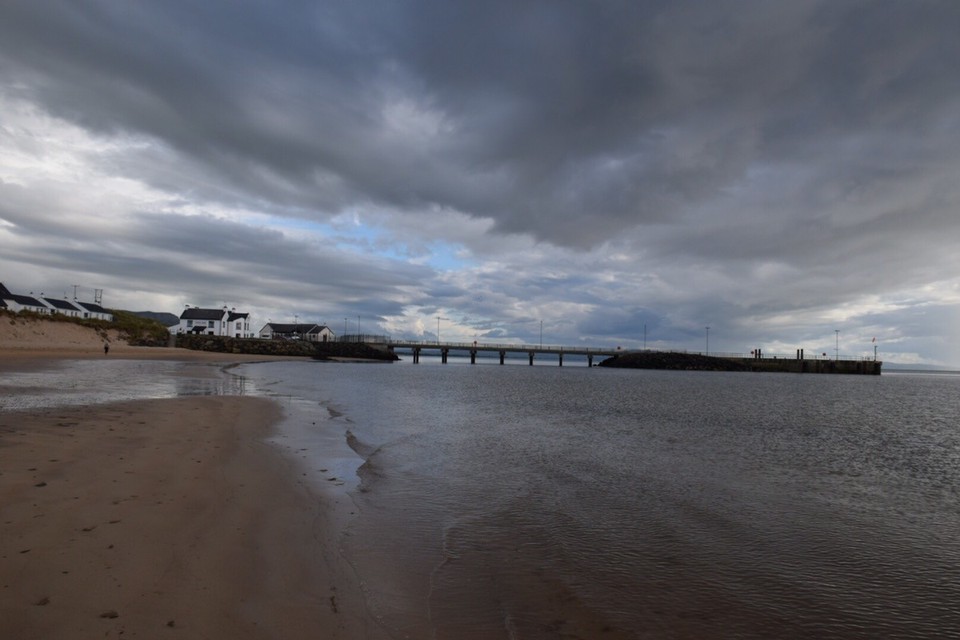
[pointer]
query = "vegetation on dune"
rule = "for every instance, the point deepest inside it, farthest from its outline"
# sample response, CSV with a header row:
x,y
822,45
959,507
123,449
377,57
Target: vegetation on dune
x,y
139,331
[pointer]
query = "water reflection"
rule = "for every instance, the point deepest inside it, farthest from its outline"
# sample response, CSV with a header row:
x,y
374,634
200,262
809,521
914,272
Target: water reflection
x,y
84,382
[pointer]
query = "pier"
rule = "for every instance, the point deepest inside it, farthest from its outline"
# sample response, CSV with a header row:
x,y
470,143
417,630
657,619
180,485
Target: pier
x,y
473,348
756,361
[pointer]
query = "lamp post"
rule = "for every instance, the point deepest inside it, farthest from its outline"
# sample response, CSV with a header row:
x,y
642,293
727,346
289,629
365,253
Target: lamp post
x,y
541,334
438,329
344,329
836,349
708,341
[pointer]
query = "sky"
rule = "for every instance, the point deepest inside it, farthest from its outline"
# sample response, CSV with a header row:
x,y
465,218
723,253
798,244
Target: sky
x,y
591,173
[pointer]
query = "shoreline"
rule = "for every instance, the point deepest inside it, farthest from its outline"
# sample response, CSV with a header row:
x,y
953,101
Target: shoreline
x,y
177,516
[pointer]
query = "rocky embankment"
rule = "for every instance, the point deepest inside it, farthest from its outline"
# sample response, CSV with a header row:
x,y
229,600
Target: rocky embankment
x,y
316,350
672,361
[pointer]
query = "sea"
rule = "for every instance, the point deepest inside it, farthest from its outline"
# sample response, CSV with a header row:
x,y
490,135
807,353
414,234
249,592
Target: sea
x,y
512,501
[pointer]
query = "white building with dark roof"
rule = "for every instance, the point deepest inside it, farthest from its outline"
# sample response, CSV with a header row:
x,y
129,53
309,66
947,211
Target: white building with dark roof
x,y
306,331
95,311
63,307
18,303
215,322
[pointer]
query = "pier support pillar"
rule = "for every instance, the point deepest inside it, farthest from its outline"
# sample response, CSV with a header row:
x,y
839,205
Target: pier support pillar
x,y
443,355
531,358
503,354
473,356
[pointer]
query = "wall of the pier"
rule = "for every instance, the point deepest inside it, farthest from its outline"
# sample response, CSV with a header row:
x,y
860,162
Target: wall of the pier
x,y
788,365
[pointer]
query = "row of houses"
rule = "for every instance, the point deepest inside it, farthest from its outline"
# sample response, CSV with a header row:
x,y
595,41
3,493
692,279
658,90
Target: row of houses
x,y
231,323
51,306
195,320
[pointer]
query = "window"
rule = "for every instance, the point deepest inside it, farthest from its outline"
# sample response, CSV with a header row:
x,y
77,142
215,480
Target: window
x,y
189,324
210,323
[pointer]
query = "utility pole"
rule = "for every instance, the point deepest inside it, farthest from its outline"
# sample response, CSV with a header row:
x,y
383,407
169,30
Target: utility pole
x,y
836,350
439,318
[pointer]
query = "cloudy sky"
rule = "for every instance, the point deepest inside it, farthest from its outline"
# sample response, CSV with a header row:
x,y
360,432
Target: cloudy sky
x,y
623,172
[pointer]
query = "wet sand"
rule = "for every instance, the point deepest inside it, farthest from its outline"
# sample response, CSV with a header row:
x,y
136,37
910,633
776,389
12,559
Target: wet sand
x,y
163,518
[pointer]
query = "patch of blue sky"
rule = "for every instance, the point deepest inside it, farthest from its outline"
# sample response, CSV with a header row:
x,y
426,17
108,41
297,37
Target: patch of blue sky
x,y
358,236
445,256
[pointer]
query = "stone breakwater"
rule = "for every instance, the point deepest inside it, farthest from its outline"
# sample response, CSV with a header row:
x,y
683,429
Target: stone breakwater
x,y
697,362
302,348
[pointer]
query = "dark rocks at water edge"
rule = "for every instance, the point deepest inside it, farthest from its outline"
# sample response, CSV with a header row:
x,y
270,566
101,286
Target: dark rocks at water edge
x,y
353,350
302,348
672,361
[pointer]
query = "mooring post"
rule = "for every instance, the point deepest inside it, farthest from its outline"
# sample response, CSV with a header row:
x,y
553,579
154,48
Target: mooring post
x,y
443,355
531,358
589,359
473,356
561,358
503,354
416,355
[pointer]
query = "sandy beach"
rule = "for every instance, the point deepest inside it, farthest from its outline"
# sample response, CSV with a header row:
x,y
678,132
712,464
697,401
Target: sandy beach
x,y
162,518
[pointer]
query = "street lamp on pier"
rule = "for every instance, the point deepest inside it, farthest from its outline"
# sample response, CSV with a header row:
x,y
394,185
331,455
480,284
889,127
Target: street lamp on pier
x,y
708,340
438,328
836,349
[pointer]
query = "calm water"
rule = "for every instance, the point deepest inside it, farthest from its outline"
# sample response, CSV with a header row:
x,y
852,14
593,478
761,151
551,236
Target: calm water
x,y
540,502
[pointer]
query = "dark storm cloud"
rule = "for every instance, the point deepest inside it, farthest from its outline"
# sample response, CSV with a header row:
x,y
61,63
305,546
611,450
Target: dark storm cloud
x,y
571,121
209,258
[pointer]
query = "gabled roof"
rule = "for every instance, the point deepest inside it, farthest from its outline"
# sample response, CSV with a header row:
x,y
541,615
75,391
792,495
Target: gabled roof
x,y
26,301
60,304
95,308
295,328
196,313
236,316
4,292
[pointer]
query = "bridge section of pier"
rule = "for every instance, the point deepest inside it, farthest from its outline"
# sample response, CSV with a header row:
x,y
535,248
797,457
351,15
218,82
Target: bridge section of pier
x,y
473,348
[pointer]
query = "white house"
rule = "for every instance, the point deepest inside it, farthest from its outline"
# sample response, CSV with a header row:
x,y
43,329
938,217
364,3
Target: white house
x,y
18,303
215,322
308,332
63,307
94,311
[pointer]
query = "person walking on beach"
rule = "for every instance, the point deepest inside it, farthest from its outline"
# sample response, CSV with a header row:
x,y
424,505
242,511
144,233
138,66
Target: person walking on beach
x,y
106,348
